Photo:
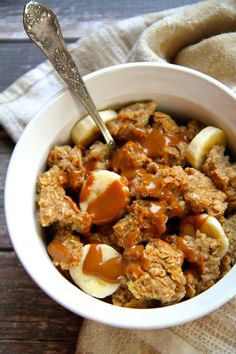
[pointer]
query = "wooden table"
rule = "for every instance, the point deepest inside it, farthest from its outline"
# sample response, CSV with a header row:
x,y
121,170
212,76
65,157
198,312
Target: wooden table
x,y
30,322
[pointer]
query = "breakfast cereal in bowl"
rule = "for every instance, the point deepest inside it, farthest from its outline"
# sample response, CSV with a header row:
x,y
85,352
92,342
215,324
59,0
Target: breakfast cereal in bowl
x,y
151,224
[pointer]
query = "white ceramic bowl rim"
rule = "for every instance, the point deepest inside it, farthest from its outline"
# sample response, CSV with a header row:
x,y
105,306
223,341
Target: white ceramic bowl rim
x,y
52,282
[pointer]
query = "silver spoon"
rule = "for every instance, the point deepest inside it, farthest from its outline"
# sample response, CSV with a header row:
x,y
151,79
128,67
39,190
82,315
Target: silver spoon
x,y
42,26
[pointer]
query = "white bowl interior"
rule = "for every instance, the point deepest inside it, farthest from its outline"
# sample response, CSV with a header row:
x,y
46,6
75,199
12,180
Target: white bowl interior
x,y
181,91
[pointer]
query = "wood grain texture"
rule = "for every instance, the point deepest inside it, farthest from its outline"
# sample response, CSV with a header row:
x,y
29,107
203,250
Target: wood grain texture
x,y
79,17
30,322
36,347
6,148
28,56
28,315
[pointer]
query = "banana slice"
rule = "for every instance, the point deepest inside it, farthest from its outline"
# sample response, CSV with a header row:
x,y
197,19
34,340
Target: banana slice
x,y
212,228
202,143
104,194
100,258
208,225
85,131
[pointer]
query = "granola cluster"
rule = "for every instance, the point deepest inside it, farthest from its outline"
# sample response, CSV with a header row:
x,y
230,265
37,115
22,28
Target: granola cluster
x,y
163,263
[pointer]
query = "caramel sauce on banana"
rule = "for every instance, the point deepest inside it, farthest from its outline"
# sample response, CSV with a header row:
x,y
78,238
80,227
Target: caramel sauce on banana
x,y
110,270
108,204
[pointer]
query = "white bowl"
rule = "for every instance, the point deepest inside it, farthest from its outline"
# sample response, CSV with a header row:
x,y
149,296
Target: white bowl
x,y
177,89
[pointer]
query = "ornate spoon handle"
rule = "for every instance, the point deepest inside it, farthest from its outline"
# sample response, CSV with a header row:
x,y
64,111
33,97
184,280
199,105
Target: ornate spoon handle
x,y
42,26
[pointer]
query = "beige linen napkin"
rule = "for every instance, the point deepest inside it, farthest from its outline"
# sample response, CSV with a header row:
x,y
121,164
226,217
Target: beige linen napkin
x,y
213,334
200,36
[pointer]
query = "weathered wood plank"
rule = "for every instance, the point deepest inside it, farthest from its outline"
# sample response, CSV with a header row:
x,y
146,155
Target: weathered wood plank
x,y
26,313
37,347
6,147
79,17
16,59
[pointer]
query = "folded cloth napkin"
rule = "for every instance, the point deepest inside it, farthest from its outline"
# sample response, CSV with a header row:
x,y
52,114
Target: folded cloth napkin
x,y
200,36
213,334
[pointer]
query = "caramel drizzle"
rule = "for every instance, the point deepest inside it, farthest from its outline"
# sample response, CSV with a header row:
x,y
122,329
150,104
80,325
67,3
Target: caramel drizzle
x,y
107,205
110,270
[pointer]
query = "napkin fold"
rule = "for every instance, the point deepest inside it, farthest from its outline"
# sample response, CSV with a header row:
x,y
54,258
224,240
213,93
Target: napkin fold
x,y
200,36
213,334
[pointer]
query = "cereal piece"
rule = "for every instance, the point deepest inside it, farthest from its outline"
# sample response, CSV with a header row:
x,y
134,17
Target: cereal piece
x,y
174,153
96,157
201,194
128,159
225,265
229,227
204,252
131,120
146,220
210,274
162,278
70,162
138,112
150,217
218,167
55,205
65,157
166,185
124,298
165,123
124,227
191,282
65,249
